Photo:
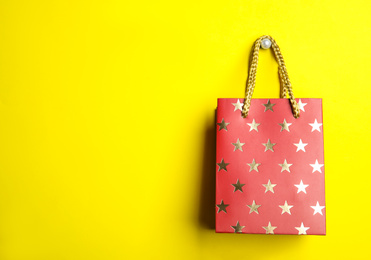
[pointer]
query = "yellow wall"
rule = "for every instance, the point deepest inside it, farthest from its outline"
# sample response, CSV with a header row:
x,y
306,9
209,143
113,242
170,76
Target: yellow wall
x,y
106,123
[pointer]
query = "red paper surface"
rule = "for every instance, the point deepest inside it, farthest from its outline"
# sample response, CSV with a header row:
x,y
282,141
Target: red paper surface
x,y
269,168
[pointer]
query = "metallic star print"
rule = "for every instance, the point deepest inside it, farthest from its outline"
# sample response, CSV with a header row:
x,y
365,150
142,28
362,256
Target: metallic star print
x,y
317,209
300,146
238,105
316,167
253,166
286,208
302,230
301,105
269,186
315,126
301,187
269,229
285,166
269,146
254,207
222,207
223,125
238,186
238,145
222,165
285,126
238,228
268,106
253,125
292,192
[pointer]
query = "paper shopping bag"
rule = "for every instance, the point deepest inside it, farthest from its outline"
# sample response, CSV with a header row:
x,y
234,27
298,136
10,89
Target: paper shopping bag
x,y
270,161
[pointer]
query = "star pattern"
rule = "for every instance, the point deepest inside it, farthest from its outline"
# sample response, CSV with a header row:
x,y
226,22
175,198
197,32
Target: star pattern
x,y
253,166
285,126
269,186
300,146
302,230
269,146
269,106
238,145
238,228
286,208
238,186
267,197
253,125
317,209
223,125
269,229
222,207
301,187
316,167
285,166
238,105
315,126
222,165
301,105
254,207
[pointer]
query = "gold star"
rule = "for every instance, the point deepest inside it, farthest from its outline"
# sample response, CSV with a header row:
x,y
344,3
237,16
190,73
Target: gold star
x,y
237,105
286,208
238,145
269,186
269,229
285,166
238,186
222,165
223,125
269,145
238,228
254,207
302,230
269,106
222,207
253,166
253,125
285,125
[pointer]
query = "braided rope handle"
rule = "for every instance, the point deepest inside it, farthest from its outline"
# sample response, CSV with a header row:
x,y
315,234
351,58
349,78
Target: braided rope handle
x,y
283,75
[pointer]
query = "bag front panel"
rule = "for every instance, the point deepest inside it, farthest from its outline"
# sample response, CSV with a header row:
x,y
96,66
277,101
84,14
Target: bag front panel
x,y
270,168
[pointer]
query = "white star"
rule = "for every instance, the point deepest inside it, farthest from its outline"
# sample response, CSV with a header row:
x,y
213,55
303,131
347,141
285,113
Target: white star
x,y
301,105
300,146
315,126
253,125
317,209
238,105
301,187
286,208
316,166
302,230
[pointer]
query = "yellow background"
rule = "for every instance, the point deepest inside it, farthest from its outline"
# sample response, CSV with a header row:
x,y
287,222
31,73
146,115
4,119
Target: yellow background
x,y
107,123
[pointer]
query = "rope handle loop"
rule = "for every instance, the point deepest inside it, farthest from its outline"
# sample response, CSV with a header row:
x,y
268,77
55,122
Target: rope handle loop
x,y
283,75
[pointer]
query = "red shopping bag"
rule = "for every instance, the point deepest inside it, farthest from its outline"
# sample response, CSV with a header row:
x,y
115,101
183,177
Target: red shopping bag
x,y
270,161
